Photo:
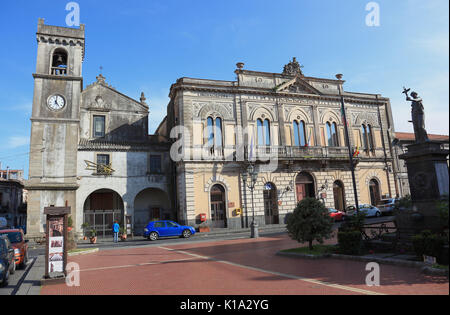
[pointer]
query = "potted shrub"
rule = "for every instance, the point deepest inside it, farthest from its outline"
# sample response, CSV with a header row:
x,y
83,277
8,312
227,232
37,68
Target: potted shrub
x,y
123,234
93,237
69,224
204,228
85,227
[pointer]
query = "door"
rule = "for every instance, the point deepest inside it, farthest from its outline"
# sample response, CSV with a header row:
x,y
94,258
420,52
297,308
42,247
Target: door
x,y
375,195
173,229
301,192
161,228
339,196
218,208
271,204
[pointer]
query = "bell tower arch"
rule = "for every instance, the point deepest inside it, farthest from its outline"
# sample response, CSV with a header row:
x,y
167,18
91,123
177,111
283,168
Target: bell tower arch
x,y
55,122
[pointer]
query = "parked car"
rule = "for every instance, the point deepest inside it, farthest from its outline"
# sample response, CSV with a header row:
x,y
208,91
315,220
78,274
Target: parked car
x,y
157,229
387,206
369,210
7,264
20,245
336,214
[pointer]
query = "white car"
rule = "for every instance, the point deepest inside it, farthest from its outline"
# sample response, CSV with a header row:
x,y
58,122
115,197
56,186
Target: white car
x,y
369,210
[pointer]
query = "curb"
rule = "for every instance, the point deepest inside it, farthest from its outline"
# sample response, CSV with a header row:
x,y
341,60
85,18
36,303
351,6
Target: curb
x,y
306,256
426,269
85,252
31,284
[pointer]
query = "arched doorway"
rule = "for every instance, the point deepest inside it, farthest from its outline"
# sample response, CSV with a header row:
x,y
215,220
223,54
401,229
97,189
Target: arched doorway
x,y
305,186
375,193
151,204
339,195
101,209
218,207
271,204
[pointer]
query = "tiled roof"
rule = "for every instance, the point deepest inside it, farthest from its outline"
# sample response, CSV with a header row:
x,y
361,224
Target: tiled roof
x,y
104,145
407,136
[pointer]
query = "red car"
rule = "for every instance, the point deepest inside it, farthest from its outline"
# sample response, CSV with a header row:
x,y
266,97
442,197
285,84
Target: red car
x,y
336,215
19,244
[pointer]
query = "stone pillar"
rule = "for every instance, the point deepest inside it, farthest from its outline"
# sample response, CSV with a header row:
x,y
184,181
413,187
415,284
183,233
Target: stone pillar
x,y
428,178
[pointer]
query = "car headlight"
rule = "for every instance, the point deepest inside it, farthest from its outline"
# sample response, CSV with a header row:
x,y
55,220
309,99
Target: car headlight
x,y
145,230
2,267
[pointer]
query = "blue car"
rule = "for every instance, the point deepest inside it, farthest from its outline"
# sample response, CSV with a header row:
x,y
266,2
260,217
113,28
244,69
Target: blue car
x,y
155,230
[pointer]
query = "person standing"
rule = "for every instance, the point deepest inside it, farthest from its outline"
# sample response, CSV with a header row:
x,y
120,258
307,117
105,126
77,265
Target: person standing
x,y
116,229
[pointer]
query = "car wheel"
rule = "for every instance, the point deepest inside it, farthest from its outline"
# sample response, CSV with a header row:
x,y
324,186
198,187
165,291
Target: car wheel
x,y
4,282
23,265
378,214
153,236
187,234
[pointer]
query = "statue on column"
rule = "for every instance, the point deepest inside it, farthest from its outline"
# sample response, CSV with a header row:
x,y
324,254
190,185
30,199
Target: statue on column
x,y
418,116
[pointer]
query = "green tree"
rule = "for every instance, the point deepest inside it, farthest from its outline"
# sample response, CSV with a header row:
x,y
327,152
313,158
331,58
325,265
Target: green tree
x,y
310,222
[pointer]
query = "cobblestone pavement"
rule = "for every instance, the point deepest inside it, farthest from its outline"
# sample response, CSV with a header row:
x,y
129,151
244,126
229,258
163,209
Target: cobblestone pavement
x,y
244,266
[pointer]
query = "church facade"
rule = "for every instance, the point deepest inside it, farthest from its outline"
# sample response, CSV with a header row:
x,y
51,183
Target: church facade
x,y
91,149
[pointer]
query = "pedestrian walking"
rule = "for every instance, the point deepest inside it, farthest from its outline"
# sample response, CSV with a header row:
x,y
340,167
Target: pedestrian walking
x,y
116,229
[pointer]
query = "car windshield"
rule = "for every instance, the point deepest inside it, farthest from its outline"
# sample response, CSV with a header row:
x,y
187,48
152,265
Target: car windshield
x,y
332,210
14,237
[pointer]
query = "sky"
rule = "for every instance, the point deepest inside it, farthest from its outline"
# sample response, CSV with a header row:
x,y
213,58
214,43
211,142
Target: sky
x,y
146,45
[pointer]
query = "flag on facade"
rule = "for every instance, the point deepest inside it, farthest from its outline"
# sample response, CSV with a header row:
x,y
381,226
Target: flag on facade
x,y
308,143
356,152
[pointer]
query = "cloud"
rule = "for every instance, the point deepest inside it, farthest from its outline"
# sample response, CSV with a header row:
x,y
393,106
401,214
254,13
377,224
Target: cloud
x,y
17,141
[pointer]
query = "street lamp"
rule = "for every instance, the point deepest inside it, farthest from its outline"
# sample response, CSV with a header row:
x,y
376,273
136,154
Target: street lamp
x,y
347,138
251,175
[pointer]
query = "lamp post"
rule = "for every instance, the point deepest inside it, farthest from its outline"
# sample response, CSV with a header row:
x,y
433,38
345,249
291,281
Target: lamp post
x,y
347,138
251,175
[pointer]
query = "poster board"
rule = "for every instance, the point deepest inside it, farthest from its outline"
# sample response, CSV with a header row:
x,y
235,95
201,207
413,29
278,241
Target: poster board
x,y
56,237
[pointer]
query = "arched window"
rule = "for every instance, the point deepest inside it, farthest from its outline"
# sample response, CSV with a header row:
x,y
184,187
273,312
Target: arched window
x,y
218,133
260,128
59,62
370,137
263,132
299,133
267,132
210,131
332,135
364,141
296,134
214,134
329,135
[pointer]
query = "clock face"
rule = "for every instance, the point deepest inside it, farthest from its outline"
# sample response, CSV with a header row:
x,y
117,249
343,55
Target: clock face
x,y
56,102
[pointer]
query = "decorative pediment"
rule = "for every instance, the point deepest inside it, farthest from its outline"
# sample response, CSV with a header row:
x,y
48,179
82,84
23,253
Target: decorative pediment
x,y
293,68
297,85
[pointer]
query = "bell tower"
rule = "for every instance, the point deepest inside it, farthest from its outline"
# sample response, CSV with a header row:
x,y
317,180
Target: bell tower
x,y
55,122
